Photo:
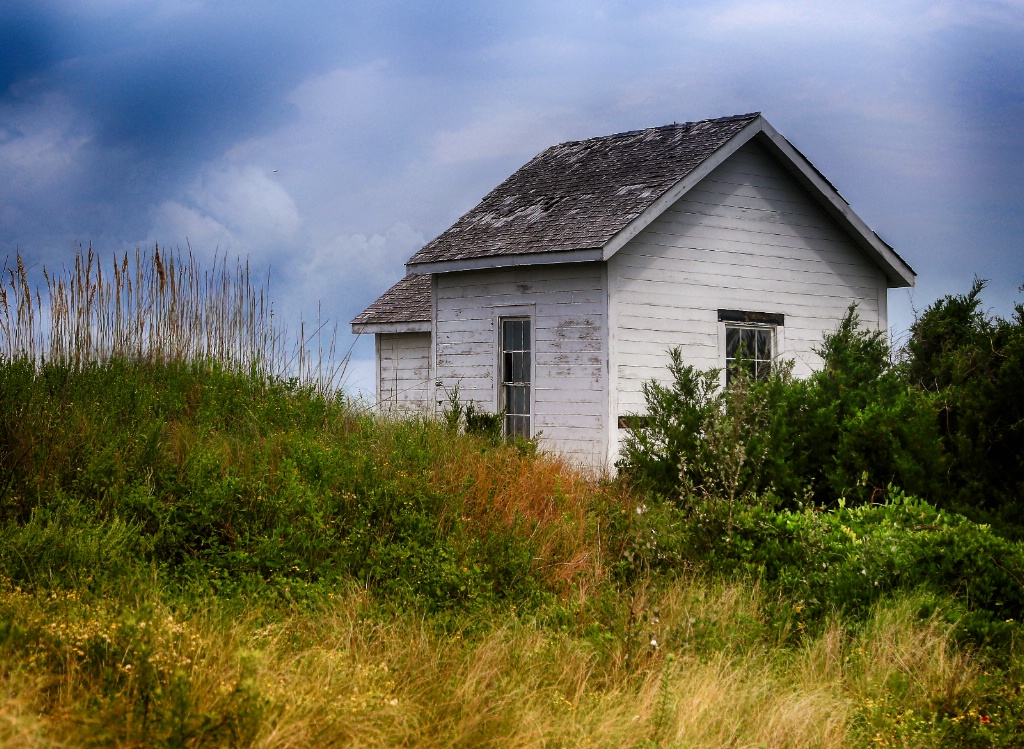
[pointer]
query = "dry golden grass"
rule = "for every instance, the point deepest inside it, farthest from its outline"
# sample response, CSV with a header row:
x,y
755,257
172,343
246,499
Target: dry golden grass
x,y
544,497
157,307
337,677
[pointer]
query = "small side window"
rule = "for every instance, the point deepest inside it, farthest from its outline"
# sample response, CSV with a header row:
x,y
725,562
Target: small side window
x,y
749,347
516,366
752,341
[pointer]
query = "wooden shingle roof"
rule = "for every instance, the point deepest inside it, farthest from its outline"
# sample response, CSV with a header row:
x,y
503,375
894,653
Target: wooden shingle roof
x,y
578,195
582,200
408,301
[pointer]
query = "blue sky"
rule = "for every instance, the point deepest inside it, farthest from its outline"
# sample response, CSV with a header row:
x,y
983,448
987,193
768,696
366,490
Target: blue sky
x,y
328,141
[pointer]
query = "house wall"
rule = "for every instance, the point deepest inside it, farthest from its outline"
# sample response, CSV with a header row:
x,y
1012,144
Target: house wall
x,y
747,238
567,304
403,372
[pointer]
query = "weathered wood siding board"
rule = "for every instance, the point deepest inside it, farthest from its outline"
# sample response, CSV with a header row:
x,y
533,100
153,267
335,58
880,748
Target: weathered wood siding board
x,y
404,381
730,252
789,303
699,235
483,291
746,237
749,275
568,306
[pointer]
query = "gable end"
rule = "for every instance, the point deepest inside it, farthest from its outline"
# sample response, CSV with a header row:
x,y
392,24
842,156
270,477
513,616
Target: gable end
x,y
897,272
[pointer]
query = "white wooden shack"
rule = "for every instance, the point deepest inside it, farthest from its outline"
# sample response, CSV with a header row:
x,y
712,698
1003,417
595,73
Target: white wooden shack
x,y
562,291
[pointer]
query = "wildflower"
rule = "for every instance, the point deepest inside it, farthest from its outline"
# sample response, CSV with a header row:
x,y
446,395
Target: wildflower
x,y
984,719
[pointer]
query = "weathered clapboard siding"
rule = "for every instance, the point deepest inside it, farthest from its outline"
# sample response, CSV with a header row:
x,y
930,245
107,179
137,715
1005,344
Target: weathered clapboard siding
x,y
746,237
568,306
403,372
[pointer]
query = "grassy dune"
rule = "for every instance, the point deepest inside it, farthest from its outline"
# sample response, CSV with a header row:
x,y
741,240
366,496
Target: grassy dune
x,y
198,551
198,558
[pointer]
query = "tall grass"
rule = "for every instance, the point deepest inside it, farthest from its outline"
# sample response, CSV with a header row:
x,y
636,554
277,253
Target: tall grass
x,y
157,307
342,674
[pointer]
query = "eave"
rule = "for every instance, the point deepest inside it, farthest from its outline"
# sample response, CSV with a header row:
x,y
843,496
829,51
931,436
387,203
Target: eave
x,y
510,260
417,326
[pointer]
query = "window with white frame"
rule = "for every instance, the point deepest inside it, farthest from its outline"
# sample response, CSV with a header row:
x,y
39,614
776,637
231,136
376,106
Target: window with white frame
x,y
515,375
750,342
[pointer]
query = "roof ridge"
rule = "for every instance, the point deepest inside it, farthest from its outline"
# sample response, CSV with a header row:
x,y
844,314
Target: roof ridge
x,y
679,125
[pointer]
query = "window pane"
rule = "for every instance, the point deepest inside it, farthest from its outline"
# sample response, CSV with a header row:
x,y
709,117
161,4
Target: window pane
x,y
526,366
526,335
506,334
764,344
506,372
749,343
517,341
749,347
732,342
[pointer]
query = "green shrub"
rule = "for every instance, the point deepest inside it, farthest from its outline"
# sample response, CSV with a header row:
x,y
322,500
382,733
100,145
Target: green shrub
x,y
677,414
973,365
848,431
229,481
847,559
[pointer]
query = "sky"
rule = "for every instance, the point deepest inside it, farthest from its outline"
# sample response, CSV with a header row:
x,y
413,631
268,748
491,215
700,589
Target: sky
x,y
327,141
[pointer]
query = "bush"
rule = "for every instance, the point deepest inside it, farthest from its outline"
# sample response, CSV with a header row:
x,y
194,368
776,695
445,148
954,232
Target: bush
x,y
847,432
229,481
972,364
677,415
848,558
819,565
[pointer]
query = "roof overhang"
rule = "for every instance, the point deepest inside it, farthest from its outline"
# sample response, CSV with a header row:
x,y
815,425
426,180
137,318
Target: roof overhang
x,y
418,326
507,261
897,271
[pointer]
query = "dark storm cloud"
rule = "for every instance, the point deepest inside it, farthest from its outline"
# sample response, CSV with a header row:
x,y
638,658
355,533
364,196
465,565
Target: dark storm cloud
x,y
187,84
135,96
28,43
140,94
974,224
